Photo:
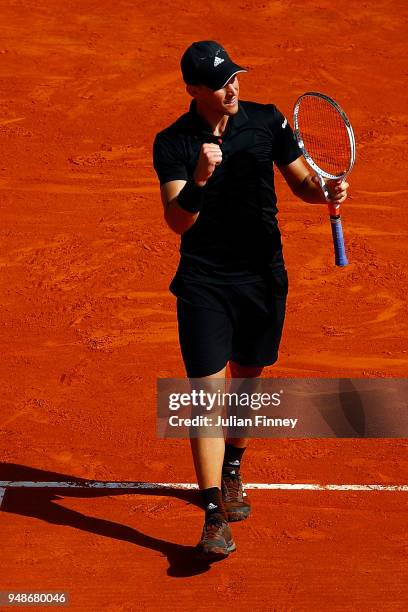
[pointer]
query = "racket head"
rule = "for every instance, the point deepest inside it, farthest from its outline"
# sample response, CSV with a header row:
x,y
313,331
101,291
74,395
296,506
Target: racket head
x,y
324,135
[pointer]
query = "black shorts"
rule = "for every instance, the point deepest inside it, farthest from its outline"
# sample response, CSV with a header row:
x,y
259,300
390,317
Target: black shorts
x,y
241,322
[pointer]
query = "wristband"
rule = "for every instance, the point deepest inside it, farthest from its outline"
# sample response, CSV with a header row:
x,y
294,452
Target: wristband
x,y
191,197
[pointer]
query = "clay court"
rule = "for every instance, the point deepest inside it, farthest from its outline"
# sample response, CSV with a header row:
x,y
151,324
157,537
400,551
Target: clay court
x,y
88,324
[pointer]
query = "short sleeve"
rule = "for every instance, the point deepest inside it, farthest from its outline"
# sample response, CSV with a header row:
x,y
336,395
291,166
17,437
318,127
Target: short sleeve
x,y
167,160
286,149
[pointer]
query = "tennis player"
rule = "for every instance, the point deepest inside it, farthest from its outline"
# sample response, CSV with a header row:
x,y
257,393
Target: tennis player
x,y
215,165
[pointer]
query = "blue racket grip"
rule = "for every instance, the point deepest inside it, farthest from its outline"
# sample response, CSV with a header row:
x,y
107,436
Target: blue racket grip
x,y
338,241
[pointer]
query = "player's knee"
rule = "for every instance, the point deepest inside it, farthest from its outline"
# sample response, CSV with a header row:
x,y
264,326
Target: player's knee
x,y
239,371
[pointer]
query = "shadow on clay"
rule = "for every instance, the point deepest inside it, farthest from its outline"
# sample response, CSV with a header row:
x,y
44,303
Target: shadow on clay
x,y
39,503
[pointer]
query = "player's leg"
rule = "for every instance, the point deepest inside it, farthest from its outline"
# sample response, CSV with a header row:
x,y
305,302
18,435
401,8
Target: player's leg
x,y
235,499
208,453
205,340
260,309
238,371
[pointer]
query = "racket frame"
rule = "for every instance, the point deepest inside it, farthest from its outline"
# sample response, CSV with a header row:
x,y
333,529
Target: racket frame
x,y
335,219
320,172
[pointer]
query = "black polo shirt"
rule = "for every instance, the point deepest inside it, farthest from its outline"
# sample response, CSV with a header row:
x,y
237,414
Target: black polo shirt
x,y
236,236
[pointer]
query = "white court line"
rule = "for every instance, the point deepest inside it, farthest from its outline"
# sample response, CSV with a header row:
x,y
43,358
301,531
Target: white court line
x,y
94,484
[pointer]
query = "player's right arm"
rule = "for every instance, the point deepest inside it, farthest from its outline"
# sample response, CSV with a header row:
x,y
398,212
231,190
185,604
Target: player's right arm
x,y
178,219
182,199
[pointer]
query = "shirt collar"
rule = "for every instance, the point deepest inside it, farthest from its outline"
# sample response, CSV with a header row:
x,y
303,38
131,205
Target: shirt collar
x,y
200,127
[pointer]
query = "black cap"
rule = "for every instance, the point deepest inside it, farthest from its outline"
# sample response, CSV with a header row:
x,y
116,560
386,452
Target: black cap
x,y
207,63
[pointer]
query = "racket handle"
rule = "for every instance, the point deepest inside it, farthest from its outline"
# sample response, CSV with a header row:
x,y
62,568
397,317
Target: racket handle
x,y
338,241
340,256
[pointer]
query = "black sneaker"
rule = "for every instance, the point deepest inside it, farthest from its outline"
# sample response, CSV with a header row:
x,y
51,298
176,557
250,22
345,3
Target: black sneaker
x,y
236,502
216,540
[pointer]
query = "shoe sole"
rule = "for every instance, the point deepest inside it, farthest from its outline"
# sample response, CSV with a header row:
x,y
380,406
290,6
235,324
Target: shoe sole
x,y
238,516
216,556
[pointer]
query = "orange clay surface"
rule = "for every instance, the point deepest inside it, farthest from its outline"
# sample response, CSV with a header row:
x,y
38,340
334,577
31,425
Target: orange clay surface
x,y
87,322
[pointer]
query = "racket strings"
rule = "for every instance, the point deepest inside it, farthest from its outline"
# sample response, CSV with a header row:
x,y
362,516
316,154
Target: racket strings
x,y
324,135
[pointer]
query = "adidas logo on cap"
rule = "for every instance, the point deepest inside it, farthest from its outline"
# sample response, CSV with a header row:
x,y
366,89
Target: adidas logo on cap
x,y
217,61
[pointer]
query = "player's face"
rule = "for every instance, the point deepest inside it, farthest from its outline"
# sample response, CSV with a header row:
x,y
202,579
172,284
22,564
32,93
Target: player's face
x,y
223,101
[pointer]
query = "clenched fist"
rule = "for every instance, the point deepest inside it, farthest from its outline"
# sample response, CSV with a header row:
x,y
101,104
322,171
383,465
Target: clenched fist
x,y
210,157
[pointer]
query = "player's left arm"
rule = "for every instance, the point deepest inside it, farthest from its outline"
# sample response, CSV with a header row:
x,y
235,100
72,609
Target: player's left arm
x,y
305,185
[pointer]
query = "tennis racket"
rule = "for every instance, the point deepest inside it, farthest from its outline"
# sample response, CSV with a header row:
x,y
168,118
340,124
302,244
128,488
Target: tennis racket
x,y
326,139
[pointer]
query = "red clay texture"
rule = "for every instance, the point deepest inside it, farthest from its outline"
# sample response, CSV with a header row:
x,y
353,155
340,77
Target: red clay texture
x,y
87,322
